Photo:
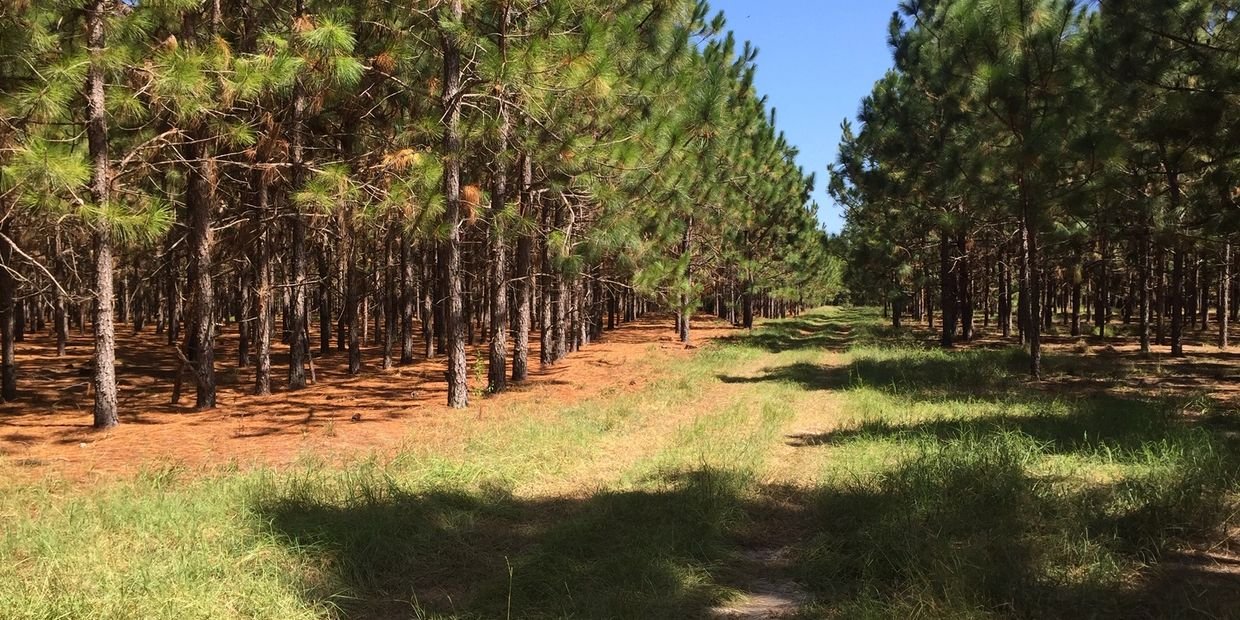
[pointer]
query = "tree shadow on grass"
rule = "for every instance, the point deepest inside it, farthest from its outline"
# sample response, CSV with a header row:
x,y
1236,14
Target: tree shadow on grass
x,y
833,331
802,374
964,530
390,553
969,528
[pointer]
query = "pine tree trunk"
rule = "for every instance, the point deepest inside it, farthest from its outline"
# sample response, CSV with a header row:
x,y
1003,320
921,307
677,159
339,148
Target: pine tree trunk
x,y
497,371
245,318
686,312
297,326
323,260
1144,306
428,299
1031,286
389,298
457,375
524,280
1224,296
407,299
200,340
61,309
1077,283
8,319
947,288
1176,299
964,286
105,409
263,310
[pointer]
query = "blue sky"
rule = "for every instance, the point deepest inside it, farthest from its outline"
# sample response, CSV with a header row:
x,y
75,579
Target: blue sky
x,y
816,60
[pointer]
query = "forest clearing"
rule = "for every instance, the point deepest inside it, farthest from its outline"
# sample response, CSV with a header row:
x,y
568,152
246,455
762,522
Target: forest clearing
x,y
479,309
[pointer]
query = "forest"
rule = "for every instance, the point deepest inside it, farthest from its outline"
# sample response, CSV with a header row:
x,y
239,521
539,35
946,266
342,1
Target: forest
x,y
539,309
1030,162
296,173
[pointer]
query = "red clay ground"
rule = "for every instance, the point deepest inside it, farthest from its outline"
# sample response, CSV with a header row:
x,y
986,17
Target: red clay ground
x,y
47,432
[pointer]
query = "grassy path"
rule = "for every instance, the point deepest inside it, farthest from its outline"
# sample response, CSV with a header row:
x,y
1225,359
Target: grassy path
x,y
817,467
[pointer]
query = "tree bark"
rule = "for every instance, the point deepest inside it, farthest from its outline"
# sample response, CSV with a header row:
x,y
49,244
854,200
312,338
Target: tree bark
x,y
497,371
457,374
947,288
105,409
1032,284
523,280
297,327
1144,306
200,336
263,310
8,319
1224,296
407,299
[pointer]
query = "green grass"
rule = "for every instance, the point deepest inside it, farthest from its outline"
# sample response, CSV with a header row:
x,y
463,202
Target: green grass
x,y
942,484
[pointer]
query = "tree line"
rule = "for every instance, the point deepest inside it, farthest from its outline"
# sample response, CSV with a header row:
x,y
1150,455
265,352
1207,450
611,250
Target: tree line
x,y
418,175
1032,161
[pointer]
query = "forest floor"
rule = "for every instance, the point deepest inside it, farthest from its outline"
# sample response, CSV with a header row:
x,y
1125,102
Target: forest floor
x,y
821,466
341,417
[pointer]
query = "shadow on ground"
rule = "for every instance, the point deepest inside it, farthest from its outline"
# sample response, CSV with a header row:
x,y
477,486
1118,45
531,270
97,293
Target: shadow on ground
x,y
967,522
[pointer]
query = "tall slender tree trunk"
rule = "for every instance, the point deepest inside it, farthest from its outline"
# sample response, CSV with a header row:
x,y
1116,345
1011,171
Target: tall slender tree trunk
x,y
964,285
105,409
686,311
1144,306
1177,272
457,375
947,288
389,298
263,310
324,260
199,196
61,310
497,371
407,299
1032,285
297,327
8,319
524,279
1077,283
1224,296
429,284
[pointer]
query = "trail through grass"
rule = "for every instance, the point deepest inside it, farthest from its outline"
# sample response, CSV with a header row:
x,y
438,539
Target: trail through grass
x,y
822,460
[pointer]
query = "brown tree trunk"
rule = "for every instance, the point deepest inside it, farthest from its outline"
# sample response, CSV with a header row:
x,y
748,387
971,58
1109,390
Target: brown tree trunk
x,y
429,282
8,319
964,285
1224,296
105,409
524,281
497,371
263,310
200,336
407,299
457,375
1144,306
947,288
1032,283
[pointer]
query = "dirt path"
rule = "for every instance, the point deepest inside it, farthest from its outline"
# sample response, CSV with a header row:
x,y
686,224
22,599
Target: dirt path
x,y
762,571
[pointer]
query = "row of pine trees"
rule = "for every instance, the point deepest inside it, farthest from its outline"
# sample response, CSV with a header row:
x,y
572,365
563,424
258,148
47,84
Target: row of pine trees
x,y
1033,162
451,171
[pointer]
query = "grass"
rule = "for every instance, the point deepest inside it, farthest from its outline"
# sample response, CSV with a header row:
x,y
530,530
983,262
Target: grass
x,y
940,484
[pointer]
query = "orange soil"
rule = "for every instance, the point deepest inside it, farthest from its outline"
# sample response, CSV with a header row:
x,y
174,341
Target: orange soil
x,y
47,432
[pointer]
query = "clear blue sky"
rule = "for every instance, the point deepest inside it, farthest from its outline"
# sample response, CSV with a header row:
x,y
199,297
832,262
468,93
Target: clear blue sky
x,y
817,59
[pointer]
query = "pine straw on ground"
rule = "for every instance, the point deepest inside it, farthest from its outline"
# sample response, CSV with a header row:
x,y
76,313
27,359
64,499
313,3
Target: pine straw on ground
x,y
48,430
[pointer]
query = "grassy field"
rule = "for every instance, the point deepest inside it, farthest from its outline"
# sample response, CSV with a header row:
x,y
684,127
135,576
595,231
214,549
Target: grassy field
x,y
818,467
